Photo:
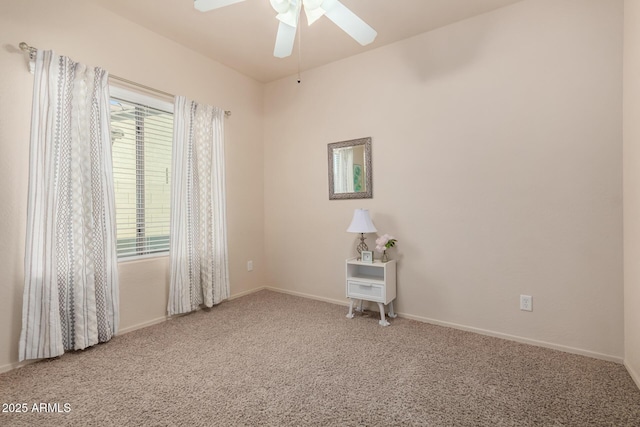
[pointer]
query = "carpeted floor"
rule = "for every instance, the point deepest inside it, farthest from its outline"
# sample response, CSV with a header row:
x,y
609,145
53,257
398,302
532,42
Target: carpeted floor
x,y
270,359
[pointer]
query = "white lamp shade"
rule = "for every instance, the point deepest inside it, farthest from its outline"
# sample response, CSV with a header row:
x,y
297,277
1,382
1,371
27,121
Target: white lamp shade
x,y
361,222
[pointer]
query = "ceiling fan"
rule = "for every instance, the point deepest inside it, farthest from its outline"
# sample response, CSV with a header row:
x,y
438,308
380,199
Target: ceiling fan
x,y
289,14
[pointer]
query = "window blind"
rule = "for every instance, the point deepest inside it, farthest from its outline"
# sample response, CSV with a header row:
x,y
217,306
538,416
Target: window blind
x,y
142,137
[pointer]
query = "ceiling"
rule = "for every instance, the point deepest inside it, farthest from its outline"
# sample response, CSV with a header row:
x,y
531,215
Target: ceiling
x,y
242,35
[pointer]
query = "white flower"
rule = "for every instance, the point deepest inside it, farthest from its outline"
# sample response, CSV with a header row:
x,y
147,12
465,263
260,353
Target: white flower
x,y
382,241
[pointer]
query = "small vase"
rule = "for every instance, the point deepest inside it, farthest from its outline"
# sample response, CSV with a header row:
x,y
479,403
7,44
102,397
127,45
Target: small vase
x,y
385,258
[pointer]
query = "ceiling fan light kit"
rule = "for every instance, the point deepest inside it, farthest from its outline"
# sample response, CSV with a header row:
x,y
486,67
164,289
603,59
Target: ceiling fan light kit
x,y
207,5
289,16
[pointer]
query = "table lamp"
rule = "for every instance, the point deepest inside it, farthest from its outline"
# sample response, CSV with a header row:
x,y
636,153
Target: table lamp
x,y
361,223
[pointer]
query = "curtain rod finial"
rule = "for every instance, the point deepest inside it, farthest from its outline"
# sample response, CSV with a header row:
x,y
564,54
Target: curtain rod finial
x,y
26,48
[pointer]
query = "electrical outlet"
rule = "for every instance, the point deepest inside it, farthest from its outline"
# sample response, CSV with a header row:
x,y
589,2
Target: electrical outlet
x,y
526,303
249,265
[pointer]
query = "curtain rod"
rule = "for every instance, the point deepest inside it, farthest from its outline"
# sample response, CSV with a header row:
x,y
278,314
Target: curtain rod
x,y
32,54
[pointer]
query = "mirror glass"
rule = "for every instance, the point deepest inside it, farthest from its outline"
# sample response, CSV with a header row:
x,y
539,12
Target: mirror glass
x,y
350,169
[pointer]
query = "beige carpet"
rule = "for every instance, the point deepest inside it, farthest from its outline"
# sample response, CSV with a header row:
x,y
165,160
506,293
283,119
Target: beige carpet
x,y
277,360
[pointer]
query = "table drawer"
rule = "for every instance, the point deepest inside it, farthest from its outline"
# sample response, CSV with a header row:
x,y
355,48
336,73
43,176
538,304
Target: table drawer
x,y
365,290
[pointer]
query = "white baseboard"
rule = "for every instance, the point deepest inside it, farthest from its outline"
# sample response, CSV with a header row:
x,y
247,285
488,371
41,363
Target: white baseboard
x,y
634,375
167,317
495,334
249,292
142,325
309,296
573,350
16,365
516,338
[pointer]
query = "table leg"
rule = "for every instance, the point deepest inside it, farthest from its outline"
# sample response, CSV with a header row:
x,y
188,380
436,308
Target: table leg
x,y
383,321
360,306
350,314
392,314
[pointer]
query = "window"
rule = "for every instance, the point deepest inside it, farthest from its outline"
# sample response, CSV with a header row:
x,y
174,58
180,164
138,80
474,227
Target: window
x,y
142,135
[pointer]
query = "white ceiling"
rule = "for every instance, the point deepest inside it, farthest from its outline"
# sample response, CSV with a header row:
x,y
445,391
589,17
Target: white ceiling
x,y
242,35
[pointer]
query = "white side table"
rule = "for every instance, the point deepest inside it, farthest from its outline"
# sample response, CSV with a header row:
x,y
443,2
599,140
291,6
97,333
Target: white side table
x,y
372,282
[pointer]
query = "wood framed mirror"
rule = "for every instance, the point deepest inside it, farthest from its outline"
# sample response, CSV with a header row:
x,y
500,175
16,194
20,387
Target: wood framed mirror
x,y
350,172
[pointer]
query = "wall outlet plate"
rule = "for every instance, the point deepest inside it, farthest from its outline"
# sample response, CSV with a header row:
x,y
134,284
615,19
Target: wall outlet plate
x,y
526,302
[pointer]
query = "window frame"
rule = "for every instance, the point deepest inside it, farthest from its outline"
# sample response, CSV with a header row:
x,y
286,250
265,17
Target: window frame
x,y
133,96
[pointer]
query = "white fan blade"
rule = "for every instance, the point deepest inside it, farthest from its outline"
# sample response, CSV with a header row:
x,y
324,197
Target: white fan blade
x,y
349,22
284,40
207,5
313,14
281,6
313,9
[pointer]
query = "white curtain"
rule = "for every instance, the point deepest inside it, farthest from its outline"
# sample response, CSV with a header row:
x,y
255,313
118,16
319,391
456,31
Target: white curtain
x,y
343,167
71,282
198,255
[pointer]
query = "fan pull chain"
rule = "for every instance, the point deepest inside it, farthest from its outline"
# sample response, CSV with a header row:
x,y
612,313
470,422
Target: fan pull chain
x,y
299,53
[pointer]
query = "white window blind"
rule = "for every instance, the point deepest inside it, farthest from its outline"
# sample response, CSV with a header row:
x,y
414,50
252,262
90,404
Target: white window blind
x,y
142,135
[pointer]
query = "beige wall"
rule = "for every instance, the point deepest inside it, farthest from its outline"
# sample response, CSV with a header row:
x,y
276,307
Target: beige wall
x,y
496,163
632,187
77,29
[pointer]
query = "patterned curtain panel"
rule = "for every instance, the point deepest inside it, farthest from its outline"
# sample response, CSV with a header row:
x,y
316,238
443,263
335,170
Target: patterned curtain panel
x,y
199,264
71,281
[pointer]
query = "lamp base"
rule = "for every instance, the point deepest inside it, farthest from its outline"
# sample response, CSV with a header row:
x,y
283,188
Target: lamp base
x,y
362,246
